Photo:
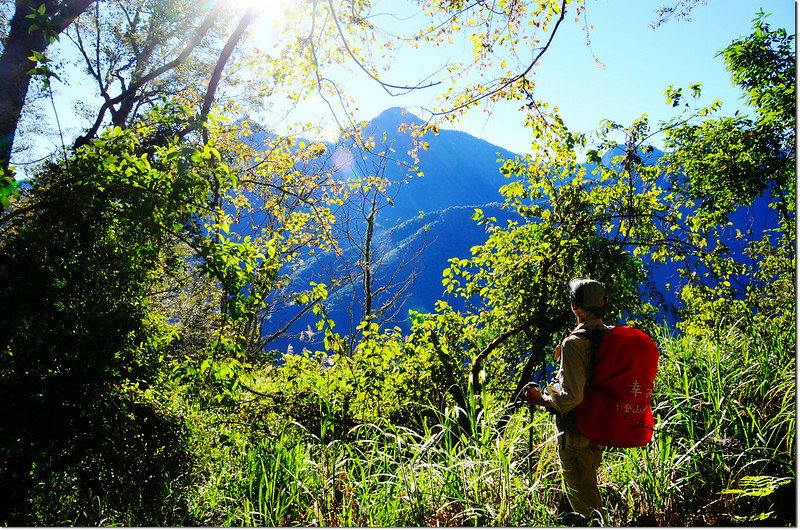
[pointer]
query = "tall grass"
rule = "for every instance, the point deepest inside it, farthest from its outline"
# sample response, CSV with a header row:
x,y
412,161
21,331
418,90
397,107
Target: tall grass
x,y
393,476
725,437
726,412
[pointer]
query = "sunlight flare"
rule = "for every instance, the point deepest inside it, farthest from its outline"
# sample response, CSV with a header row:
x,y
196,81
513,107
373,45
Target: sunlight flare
x,y
276,9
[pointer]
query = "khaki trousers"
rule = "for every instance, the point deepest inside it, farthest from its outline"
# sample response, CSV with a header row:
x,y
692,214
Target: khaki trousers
x,y
580,458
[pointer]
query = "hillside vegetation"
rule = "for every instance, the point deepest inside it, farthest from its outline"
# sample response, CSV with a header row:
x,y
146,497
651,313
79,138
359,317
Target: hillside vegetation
x,y
140,385
723,454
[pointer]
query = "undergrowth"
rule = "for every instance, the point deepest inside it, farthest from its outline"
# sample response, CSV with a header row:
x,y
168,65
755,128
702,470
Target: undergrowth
x,y
724,447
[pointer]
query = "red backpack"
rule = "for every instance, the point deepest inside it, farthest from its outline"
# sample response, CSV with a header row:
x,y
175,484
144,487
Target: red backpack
x,y
615,410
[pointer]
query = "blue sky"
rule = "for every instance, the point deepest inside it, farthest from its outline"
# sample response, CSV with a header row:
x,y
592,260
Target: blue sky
x,y
639,64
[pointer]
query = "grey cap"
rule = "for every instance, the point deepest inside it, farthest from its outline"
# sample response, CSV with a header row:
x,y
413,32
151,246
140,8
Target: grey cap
x,y
587,294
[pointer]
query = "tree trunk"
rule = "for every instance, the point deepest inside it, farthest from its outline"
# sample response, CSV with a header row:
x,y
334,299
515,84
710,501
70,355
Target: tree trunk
x,y
15,65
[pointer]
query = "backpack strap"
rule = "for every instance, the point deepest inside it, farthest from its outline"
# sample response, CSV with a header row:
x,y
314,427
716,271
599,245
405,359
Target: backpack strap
x,y
595,335
569,421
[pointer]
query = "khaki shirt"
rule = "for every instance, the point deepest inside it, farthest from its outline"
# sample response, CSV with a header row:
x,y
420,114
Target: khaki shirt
x,y
565,392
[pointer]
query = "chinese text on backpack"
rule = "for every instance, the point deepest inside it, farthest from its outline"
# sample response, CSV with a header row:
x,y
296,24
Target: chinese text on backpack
x,y
615,410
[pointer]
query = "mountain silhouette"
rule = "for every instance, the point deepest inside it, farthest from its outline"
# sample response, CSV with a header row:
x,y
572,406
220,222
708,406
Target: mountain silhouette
x,y
429,216
456,169
432,203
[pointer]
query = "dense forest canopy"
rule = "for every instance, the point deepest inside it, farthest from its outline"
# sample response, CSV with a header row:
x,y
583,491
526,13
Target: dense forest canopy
x,y
137,369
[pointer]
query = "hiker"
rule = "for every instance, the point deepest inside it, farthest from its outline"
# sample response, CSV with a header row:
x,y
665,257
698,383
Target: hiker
x,y
579,456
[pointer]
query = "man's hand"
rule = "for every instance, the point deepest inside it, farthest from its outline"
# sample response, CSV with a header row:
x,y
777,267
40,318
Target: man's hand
x,y
534,397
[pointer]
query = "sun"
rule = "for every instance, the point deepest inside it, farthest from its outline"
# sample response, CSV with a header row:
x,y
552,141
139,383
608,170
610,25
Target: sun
x,y
275,7
276,10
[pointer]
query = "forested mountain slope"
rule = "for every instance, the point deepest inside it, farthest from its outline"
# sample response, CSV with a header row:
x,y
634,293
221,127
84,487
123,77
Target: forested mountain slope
x,y
428,220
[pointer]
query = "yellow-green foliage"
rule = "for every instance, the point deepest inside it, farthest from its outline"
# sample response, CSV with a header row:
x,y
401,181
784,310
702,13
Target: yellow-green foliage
x,y
386,380
724,441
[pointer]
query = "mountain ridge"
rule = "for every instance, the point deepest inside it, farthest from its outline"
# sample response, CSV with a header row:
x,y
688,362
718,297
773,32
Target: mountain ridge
x,y
437,208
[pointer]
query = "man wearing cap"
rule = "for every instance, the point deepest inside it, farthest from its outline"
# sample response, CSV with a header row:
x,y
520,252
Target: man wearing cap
x,y
579,456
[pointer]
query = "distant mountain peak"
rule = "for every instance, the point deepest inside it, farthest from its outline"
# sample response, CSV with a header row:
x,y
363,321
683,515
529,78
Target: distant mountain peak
x,y
393,117
397,113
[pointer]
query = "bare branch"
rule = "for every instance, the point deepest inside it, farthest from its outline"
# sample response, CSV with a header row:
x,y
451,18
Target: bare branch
x,y
216,75
386,86
200,33
522,75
